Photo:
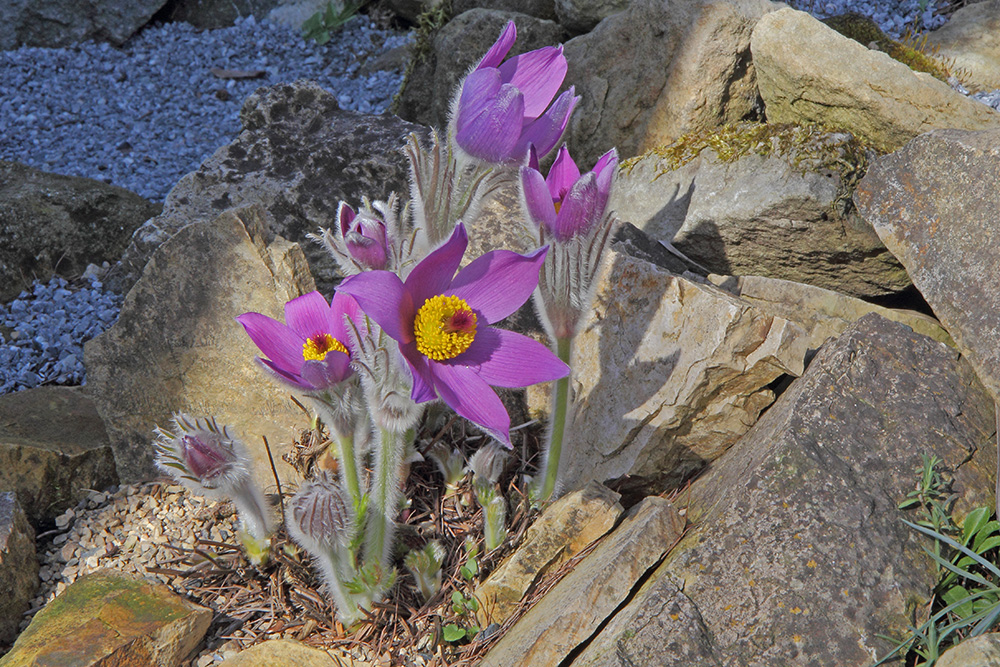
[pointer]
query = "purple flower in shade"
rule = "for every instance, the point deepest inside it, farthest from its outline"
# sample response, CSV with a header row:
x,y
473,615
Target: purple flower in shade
x,y
501,108
364,237
565,203
309,352
440,321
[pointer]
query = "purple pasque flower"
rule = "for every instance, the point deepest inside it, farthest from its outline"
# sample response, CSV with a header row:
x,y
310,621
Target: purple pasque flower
x,y
501,106
566,204
441,322
310,351
364,237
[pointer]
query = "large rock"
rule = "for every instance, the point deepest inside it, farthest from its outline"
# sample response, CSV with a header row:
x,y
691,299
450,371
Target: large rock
x,y
210,14
56,23
579,16
277,652
18,566
298,155
798,555
934,204
51,223
540,9
971,41
981,651
752,199
53,450
809,73
110,618
177,347
688,69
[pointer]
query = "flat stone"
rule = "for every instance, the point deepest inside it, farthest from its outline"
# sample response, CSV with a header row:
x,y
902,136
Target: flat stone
x,y
286,652
970,40
18,566
110,618
981,651
58,23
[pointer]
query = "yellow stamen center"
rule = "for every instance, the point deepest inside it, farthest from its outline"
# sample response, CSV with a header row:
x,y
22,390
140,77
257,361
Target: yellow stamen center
x,y
558,205
315,348
445,327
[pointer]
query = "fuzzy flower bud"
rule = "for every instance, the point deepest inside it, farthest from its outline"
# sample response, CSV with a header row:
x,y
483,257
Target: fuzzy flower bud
x,y
364,237
319,517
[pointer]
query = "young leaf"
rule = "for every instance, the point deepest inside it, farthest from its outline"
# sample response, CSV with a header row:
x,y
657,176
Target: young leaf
x,y
452,633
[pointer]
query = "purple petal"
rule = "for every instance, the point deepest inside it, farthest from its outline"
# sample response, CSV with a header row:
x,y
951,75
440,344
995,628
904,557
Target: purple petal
x,y
275,340
423,382
607,161
332,370
500,48
468,395
344,304
537,198
308,315
479,90
506,359
434,274
563,174
345,215
383,298
293,380
579,209
499,282
492,133
538,74
545,131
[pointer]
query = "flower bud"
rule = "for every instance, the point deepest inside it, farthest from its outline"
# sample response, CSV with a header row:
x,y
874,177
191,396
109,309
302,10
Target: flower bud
x,y
364,237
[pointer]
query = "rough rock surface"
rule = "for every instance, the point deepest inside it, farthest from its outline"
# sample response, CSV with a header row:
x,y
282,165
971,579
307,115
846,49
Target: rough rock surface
x,y
51,223
934,204
298,155
572,611
844,85
18,566
798,555
56,23
981,651
53,450
211,14
285,652
689,69
109,618
540,9
784,215
971,40
579,16
177,347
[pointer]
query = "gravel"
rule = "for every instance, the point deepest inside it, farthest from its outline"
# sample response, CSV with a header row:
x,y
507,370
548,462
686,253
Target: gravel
x,y
893,16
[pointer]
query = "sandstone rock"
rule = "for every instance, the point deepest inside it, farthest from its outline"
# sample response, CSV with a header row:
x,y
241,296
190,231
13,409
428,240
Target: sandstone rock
x,y
770,200
58,224
298,155
53,450
798,555
285,652
939,219
18,566
177,347
809,73
689,69
570,613
971,40
579,16
211,14
981,651
696,362
110,618
57,23
564,529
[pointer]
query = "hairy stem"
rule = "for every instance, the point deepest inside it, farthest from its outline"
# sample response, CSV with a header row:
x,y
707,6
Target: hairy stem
x,y
560,413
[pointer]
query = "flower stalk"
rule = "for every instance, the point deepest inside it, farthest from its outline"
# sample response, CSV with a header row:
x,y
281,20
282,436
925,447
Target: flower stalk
x,y
562,405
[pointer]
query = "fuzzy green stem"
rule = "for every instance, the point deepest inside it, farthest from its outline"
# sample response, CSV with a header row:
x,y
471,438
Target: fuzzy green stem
x,y
349,467
383,503
560,412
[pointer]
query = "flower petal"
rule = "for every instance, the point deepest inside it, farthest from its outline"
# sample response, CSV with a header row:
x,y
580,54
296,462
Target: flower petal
x,y
507,359
537,199
538,74
345,215
470,396
345,304
562,175
308,315
545,131
293,380
434,274
423,382
579,209
499,282
492,133
500,48
479,89
383,298
334,369
275,340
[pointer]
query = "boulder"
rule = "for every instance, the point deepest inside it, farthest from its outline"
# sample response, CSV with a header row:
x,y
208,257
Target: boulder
x,y
57,23
298,155
211,14
59,224
540,9
981,651
768,200
286,652
579,16
970,40
18,566
809,73
53,450
177,347
111,618
934,204
689,69
797,554
574,608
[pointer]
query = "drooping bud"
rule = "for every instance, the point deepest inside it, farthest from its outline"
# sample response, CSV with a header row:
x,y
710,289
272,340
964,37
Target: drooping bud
x,y
202,455
488,462
319,516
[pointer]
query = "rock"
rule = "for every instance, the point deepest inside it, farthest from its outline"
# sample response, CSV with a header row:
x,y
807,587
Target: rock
x,y
934,205
540,9
59,224
970,40
981,651
564,529
689,70
211,14
412,9
177,347
579,16
298,155
570,613
110,618
797,555
57,23
697,362
809,73
293,13
768,200
53,450
18,566
285,652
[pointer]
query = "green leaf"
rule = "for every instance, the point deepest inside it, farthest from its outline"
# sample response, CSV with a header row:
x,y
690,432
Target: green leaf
x,y
959,594
453,633
955,545
975,520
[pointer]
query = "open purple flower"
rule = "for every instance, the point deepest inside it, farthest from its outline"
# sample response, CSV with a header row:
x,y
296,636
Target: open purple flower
x,y
440,321
501,108
565,203
310,351
364,237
